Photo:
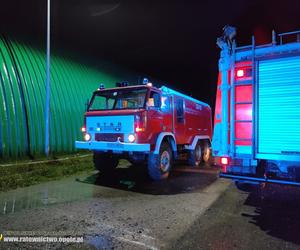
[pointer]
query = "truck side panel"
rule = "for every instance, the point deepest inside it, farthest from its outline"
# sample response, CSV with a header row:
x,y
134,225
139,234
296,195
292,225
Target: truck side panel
x,y
196,121
279,108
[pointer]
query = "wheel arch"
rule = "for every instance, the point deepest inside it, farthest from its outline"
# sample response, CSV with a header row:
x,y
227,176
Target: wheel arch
x,y
197,138
170,138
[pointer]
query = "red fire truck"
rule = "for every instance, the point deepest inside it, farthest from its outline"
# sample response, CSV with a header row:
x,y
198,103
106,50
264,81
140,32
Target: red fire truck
x,y
142,124
257,113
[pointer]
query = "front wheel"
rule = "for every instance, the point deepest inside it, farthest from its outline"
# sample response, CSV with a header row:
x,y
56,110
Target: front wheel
x,y
159,165
105,163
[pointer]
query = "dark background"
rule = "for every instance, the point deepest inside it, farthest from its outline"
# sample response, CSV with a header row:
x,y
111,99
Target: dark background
x,y
173,41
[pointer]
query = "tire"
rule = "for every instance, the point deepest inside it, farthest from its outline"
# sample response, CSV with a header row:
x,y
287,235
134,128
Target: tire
x,y
195,156
159,165
206,152
105,163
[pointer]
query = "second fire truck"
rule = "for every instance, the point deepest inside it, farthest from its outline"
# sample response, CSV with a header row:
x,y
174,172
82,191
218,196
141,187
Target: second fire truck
x,y
257,113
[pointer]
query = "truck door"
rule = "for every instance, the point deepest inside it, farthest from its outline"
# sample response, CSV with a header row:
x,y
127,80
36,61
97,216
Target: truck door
x,y
154,114
179,121
166,113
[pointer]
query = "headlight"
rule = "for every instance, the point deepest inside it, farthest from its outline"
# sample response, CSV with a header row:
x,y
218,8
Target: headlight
x,y
87,137
131,138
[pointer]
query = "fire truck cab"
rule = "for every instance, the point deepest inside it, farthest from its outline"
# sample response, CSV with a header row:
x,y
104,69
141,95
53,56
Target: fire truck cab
x,y
257,113
145,124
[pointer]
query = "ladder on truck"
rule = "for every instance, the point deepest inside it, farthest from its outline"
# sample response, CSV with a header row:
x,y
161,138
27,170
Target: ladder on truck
x,y
235,83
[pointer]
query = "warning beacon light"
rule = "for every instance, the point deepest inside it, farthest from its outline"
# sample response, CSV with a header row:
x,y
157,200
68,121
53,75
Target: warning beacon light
x,y
101,86
145,81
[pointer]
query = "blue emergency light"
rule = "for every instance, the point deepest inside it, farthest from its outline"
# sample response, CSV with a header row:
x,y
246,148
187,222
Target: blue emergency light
x,y
145,81
101,86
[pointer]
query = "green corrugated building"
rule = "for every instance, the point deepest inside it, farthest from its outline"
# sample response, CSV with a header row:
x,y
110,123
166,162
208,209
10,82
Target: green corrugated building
x,y
22,99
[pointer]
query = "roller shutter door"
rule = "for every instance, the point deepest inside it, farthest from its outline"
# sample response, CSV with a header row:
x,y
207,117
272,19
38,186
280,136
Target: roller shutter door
x,y
278,106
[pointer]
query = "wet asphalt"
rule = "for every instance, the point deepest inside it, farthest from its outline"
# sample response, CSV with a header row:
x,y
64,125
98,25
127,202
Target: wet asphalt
x,y
192,209
126,178
125,210
264,217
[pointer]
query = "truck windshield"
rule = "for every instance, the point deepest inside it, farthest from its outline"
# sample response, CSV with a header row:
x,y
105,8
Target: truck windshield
x,y
118,99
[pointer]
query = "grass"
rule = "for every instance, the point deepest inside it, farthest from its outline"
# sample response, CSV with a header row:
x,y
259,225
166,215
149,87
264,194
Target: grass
x,y
25,173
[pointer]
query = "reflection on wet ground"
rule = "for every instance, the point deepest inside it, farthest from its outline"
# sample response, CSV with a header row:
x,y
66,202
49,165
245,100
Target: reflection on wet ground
x,y
99,241
134,179
181,180
43,195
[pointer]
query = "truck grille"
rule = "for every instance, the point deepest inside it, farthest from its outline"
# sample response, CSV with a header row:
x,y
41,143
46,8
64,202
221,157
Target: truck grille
x,y
110,137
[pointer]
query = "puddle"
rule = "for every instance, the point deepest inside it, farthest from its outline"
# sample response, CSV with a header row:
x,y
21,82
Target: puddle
x,y
99,241
128,184
44,194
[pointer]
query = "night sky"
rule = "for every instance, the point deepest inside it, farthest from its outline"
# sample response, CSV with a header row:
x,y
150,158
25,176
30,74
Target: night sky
x,y
173,41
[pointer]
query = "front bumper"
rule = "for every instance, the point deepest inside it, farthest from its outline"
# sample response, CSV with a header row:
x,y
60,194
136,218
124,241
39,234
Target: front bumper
x,y
114,146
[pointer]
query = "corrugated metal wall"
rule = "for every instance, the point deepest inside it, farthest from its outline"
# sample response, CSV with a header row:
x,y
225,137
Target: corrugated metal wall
x,y
22,99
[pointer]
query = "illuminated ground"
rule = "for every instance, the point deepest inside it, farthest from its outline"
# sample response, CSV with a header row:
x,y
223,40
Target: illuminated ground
x,y
191,210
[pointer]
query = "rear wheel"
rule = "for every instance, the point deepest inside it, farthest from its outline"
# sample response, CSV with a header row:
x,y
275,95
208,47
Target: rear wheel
x,y
159,165
105,163
195,156
206,152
